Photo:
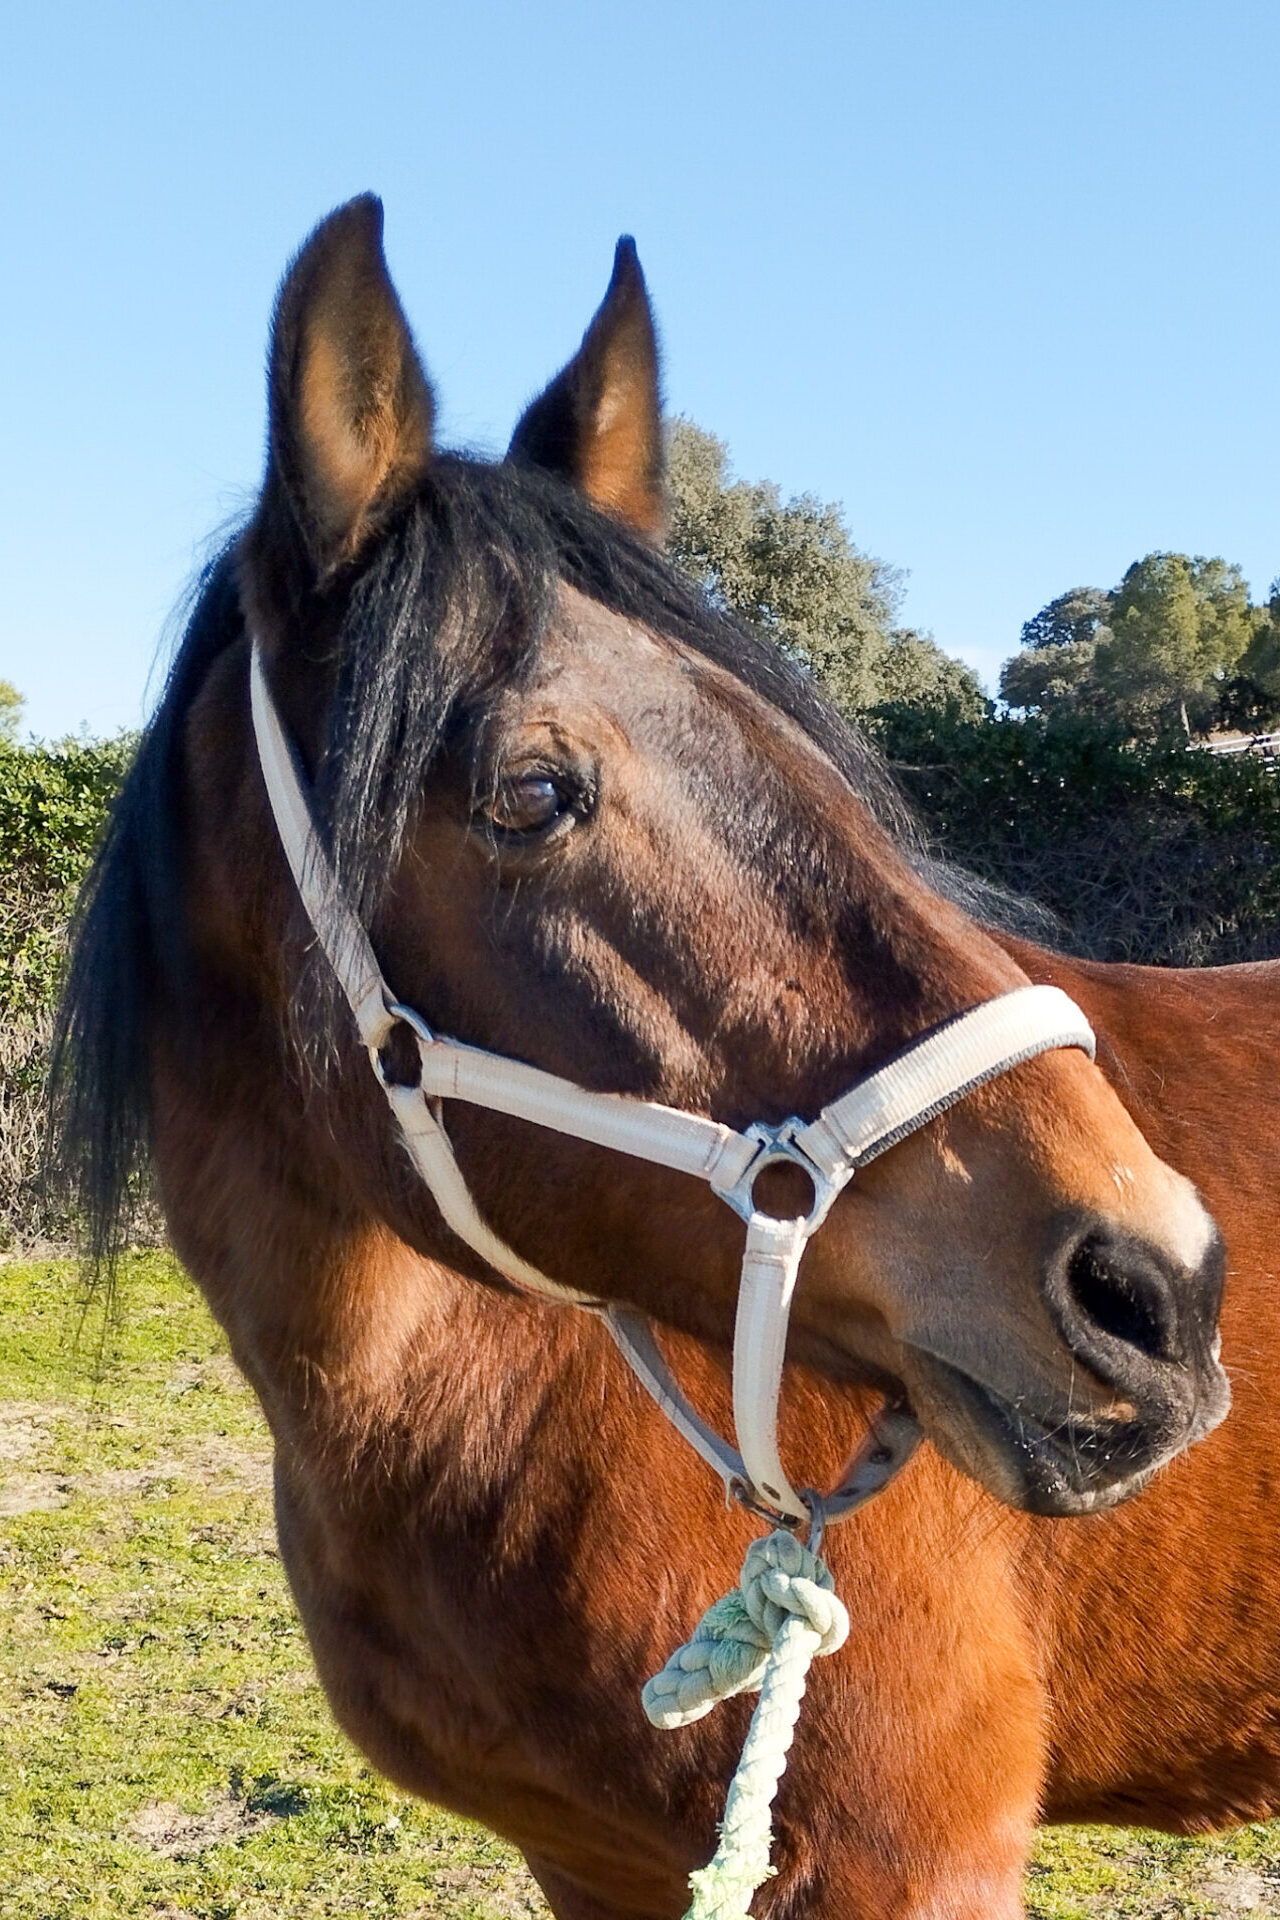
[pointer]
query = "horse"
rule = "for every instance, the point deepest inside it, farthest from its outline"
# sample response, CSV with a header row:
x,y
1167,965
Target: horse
x,y
592,822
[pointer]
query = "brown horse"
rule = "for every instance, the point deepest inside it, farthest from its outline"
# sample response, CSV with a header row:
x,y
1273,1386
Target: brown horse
x,y
593,824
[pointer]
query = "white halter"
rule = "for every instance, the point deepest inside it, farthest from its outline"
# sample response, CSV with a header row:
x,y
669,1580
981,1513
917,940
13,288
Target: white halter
x,y
878,1111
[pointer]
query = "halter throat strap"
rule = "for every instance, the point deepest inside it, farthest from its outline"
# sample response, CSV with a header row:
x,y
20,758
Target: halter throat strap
x,y
878,1111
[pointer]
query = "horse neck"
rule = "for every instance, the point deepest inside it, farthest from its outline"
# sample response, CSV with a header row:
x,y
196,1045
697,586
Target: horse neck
x,y
363,1352
1170,1039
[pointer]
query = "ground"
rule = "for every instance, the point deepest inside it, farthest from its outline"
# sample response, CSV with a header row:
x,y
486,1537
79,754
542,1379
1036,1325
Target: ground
x,y
167,1754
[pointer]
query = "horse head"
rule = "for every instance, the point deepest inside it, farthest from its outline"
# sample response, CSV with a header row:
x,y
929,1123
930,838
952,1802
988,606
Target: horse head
x,y
592,823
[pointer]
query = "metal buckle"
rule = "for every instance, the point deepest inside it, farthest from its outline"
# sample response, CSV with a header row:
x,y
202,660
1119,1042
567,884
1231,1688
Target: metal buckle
x,y
778,1144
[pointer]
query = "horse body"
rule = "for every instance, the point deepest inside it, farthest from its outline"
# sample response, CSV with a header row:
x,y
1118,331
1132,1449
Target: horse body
x,y
589,826
464,1511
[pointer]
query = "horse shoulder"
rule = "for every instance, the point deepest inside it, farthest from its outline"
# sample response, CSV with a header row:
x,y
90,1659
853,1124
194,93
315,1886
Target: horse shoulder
x,y
1162,1637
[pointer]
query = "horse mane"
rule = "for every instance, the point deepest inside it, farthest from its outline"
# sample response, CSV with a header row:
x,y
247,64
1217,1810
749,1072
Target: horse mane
x,y
454,602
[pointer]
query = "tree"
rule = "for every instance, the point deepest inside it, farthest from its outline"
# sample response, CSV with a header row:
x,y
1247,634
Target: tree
x,y
791,568
915,672
1178,629
1151,657
11,705
1053,679
1079,615
1252,698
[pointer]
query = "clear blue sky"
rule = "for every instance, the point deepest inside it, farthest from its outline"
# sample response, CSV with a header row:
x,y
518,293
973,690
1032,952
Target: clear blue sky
x,y
1001,276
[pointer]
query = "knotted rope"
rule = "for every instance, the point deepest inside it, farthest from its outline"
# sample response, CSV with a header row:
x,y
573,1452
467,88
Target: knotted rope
x,y
781,1615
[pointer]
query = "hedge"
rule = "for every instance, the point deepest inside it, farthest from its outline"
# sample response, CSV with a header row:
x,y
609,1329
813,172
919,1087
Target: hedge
x,y
1158,854
53,801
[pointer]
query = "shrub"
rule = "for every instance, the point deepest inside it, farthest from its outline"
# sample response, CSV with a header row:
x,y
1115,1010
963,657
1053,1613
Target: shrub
x,y
1146,853
53,802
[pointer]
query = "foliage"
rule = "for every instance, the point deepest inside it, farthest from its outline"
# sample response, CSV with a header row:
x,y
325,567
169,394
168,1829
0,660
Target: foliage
x,y
1146,852
1245,705
791,568
53,803
1075,616
1054,680
1177,626
168,1750
915,672
11,706
1165,651
1257,684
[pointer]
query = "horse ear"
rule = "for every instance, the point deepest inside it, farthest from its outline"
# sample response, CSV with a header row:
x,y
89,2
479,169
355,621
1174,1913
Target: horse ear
x,y
599,423
350,406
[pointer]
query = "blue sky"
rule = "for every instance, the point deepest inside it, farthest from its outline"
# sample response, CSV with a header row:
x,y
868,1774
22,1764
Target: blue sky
x,y
1002,278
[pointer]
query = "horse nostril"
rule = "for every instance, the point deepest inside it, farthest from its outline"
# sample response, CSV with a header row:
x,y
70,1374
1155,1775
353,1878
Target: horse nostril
x,y
1123,1294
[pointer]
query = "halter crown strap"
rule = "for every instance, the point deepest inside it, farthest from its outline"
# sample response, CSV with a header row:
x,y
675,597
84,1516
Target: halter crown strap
x,y
927,1078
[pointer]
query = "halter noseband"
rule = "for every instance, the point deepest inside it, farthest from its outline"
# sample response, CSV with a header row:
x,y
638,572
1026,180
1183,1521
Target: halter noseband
x,y
877,1112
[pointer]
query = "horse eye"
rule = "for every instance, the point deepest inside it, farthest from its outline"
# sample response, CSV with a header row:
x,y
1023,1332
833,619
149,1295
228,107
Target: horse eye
x,y
527,803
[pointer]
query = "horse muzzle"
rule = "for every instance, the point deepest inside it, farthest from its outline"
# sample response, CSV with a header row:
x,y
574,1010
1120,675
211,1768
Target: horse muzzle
x,y
1144,1381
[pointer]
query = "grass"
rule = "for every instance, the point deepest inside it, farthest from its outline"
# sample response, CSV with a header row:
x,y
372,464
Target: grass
x,y
166,1749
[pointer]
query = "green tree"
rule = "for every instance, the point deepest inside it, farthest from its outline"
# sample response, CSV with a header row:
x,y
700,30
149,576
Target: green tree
x,y
1075,617
1179,627
1054,679
791,568
1154,656
1252,697
915,672
11,705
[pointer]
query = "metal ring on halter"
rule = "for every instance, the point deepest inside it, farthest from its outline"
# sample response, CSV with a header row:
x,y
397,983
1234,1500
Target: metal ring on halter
x,y
401,1016
778,1147
816,1506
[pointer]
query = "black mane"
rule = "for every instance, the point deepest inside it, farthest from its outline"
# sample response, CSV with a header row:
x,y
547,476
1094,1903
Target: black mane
x,y
455,601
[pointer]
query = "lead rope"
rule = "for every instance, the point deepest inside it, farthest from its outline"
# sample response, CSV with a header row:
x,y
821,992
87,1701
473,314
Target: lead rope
x,y
783,1613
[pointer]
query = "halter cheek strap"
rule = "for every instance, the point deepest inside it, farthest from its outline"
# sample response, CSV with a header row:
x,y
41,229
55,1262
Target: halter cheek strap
x,y
886,1106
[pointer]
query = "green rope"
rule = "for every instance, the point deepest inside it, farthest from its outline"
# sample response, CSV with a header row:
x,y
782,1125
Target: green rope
x,y
782,1614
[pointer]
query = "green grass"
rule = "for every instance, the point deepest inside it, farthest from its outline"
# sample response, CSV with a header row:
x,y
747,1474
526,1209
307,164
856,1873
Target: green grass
x,y
166,1749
